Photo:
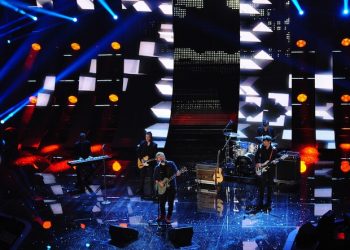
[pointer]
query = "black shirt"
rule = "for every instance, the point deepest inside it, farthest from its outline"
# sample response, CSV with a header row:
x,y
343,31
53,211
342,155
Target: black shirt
x,y
144,149
166,171
262,132
82,149
264,154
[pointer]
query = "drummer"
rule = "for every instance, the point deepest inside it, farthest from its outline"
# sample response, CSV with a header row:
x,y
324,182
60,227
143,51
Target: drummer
x,y
265,130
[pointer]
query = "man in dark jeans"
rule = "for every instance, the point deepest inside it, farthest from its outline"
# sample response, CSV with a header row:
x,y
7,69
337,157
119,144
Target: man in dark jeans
x,y
147,148
82,150
165,169
266,152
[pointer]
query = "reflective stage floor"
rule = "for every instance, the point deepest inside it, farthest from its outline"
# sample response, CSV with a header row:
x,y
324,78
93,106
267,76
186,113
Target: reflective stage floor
x,y
218,221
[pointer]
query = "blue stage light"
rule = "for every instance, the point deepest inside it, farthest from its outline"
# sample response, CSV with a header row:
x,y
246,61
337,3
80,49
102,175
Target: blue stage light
x,y
2,121
297,5
108,8
75,19
8,41
87,244
346,7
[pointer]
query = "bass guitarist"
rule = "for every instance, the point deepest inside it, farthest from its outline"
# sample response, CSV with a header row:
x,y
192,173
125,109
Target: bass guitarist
x,y
146,150
165,169
265,153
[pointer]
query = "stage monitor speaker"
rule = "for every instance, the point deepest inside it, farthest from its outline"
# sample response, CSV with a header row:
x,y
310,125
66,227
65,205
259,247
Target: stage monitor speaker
x,y
288,171
306,237
121,236
181,236
326,226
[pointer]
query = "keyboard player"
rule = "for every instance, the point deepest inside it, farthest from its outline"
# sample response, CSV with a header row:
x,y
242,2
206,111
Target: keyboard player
x,y
82,150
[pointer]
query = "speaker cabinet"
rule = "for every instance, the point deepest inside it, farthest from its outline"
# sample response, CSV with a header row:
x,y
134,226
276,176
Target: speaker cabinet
x,y
288,171
181,236
121,236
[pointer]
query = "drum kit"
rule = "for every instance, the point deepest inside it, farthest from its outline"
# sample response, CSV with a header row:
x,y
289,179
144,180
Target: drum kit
x,y
240,154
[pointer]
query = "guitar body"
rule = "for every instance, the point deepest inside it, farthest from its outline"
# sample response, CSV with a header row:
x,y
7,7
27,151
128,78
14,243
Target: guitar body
x,y
266,165
143,162
161,190
218,175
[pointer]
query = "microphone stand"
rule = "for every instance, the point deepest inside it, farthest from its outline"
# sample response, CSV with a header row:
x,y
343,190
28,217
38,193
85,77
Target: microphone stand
x,y
105,200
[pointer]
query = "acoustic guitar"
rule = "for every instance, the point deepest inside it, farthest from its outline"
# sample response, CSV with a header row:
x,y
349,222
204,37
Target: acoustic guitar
x,y
218,177
166,182
267,164
144,161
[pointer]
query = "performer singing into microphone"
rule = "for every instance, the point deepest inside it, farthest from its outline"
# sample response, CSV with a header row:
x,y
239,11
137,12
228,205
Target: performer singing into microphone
x,y
165,169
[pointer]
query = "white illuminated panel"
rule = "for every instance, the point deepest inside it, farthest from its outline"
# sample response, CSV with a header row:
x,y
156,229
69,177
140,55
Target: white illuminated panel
x,y
331,145
287,134
247,9
323,192
86,4
165,87
253,99
249,245
262,2
279,121
131,66
247,36
147,48
42,100
248,64
240,115
325,112
324,81
48,178
257,118
162,110
167,62
56,208
159,130
49,83
262,55
141,6
87,83
321,209
247,90
93,66
282,99
125,83
160,144
261,27
166,8
325,135
42,3
57,189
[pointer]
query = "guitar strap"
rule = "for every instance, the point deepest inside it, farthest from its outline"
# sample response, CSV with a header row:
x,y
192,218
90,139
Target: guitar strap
x,y
271,154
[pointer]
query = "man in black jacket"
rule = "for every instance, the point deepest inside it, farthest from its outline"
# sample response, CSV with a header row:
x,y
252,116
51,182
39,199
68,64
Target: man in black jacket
x,y
147,149
82,150
266,153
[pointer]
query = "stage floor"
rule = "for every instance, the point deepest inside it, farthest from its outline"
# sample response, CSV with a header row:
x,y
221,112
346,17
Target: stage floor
x,y
219,221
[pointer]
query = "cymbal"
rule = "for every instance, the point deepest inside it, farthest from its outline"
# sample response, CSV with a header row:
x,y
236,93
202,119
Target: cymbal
x,y
230,134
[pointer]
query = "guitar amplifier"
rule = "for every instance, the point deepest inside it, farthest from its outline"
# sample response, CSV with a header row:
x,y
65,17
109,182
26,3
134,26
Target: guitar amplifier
x,y
205,173
288,171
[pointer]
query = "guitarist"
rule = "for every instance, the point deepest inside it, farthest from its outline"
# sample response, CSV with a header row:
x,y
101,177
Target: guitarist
x,y
266,152
165,169
146,148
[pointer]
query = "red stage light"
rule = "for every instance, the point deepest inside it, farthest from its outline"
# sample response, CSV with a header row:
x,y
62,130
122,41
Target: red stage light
x,y
47,224
302,97
309,155
96,149
72,99
82,226
116,166
32,100
301,43
36,46
345,166
345,98
345,146
50,148
58,167
341,236
75,46
345,42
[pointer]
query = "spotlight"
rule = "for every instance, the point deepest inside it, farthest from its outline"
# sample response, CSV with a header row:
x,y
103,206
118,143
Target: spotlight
x,y
113,98
72,99
345,98
116,166
115,17
344,146
8,41
301,43
36,46
115,45
47,224
75,19
33,99
301,12
2,121
345,11
302,98
345,42
302,167
75,46
87,245
34,18
345,166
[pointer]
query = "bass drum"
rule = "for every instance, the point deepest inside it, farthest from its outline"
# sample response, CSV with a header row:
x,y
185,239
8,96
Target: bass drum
x,y
244,166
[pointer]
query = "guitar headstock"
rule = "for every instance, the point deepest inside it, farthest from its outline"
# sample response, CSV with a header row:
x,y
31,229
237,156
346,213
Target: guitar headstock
x,y
183,170
285,156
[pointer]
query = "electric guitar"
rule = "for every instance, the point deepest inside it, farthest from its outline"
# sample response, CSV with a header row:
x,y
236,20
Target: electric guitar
x,y
144,161
218,177
267,164
166,182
